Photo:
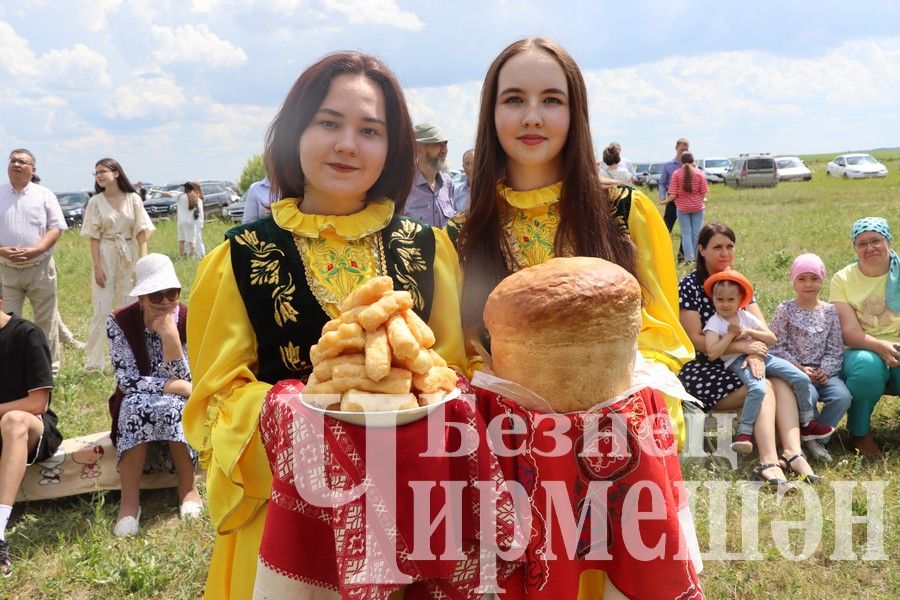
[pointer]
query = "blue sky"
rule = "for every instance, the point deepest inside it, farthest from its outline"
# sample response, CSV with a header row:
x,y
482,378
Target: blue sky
x,y
185,89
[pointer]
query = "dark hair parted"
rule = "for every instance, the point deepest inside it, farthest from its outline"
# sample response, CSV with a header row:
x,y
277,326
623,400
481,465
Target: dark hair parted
x,y
611,156
687,183
300,106
706,234
587,225
122,179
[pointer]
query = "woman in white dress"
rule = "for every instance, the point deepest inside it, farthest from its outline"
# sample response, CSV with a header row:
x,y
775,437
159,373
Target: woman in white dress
x,y
118,227
190,221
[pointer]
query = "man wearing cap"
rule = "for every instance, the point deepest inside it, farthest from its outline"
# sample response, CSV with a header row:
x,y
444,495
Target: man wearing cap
x,y
431,197
31,221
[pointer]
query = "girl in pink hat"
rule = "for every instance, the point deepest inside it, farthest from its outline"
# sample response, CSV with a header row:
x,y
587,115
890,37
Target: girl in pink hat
x,y
809,336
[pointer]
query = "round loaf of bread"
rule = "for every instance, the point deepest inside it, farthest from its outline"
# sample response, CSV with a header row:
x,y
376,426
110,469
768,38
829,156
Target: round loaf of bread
x,y
566,329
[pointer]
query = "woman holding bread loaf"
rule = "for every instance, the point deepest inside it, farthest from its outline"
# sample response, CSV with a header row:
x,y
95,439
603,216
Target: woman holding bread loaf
x,y
341,155
720,389
541,197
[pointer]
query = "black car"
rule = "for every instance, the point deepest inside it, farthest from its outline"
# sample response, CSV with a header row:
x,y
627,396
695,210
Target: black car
x,y
161,203
72,204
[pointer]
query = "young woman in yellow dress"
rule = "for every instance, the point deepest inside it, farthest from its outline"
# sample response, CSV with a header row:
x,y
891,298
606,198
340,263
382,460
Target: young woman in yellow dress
x,y
341,152
536,194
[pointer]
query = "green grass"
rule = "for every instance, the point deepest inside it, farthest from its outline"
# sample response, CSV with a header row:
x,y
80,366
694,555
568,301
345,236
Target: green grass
x,y
65,548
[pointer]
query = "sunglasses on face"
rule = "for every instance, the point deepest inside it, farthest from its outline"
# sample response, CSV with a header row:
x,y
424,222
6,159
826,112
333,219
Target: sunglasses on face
x,y
171,295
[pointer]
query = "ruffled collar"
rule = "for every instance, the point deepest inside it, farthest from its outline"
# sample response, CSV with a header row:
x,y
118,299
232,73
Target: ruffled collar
x,y
374,217
530,198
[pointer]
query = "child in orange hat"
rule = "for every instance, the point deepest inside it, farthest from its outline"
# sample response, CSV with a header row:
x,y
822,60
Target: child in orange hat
x,y
731,292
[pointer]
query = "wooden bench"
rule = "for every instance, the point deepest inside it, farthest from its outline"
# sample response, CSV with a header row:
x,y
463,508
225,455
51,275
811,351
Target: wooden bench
x,y
81,465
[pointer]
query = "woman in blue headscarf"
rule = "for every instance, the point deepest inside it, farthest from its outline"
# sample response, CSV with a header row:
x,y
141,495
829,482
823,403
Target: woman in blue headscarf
x,y
867,296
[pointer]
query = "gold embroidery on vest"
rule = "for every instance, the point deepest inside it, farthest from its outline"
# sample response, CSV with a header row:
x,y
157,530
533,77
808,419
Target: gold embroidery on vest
x,y
402,241
263,270
290,357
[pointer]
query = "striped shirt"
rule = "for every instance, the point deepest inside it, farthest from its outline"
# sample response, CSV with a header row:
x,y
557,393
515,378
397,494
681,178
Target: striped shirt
x,y
688,202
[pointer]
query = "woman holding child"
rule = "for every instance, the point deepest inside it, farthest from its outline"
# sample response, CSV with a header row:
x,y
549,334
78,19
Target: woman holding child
x,y
720,389
341,154
867,296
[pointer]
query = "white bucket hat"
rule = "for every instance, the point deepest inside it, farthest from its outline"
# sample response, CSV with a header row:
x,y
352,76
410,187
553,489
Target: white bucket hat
x,y
155,272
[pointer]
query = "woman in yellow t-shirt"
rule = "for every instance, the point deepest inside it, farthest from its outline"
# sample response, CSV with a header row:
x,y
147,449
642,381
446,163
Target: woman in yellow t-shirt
x,y
867,297
340,153
536,194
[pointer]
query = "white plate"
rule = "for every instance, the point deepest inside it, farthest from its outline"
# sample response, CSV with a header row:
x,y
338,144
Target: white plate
x,y
391,418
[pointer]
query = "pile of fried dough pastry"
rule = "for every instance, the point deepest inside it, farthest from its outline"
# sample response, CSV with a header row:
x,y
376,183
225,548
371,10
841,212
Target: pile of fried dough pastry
x,y
377,355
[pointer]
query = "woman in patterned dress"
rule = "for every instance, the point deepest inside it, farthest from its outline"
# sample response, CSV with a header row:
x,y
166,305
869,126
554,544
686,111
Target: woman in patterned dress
x,y
536,194
153,379
720,389
260,299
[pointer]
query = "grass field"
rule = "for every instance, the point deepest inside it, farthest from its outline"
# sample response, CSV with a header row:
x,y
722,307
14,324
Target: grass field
x,y
65,548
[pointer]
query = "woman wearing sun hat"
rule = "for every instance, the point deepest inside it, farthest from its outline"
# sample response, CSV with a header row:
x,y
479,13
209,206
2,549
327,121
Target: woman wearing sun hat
x,y
867,296
153,381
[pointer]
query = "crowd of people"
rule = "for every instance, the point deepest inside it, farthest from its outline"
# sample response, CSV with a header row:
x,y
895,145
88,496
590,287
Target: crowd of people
x,y
355,191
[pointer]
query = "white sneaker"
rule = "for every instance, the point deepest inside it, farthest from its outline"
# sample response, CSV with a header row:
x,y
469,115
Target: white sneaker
x,y
816,451
190,509
127,526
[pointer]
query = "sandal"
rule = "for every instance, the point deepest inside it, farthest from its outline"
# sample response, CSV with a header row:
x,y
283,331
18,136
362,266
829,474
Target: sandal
x,y
786,463
774,484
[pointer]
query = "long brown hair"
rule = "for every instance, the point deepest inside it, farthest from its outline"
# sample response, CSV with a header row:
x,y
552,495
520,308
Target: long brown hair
x,y
587,225
113,165
687,184
304,99
706,234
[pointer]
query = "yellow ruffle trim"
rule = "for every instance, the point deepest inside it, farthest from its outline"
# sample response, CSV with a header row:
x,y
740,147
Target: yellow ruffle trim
x,y
530,198
374,217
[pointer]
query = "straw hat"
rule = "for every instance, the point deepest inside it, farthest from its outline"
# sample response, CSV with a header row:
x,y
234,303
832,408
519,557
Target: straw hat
x,y
155,272
730,275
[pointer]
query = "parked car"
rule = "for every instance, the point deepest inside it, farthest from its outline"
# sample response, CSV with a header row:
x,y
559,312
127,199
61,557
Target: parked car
x,y
791,168
714,168
234,212
160,202
641,171
216,196
72,204
855,166
752,170
653,175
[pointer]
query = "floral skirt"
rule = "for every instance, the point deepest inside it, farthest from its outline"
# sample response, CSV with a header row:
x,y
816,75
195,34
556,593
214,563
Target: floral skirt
x,y
153,419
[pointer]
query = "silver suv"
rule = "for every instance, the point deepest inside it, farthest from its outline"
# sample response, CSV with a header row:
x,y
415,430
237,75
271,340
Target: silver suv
x,y
752,170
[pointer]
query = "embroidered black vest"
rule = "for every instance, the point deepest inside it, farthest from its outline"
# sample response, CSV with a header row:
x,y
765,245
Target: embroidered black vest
x,y
285,315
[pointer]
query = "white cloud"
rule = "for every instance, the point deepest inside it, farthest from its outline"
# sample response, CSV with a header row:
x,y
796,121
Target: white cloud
x,y
190,44
95,13
375,12
17,60
145,97
726,102
78,67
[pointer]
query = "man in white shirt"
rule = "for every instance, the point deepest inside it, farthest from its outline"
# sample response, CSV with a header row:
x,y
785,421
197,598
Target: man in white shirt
x,y
461,198
258,201
31,221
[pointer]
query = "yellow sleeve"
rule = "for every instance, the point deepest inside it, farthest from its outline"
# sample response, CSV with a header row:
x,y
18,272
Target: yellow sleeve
x,y
446,318
220,418
662,338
